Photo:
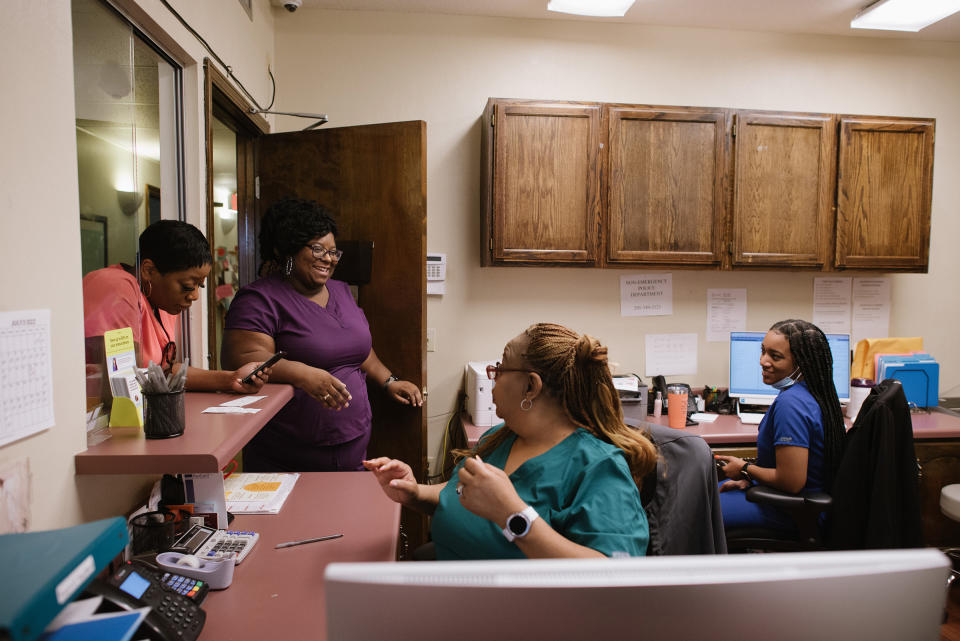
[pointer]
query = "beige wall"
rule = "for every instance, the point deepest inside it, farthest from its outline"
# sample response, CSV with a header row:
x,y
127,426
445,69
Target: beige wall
x,y
378,67
39,207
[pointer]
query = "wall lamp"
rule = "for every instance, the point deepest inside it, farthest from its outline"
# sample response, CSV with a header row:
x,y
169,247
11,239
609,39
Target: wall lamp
x,y
129,201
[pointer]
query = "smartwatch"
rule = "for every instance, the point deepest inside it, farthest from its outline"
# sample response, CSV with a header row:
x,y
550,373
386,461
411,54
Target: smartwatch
x,y
744,473
518,523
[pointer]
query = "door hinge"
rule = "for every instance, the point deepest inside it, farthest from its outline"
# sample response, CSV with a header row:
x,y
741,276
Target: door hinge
x,y
490,244
733,129
256,187
730,248
493,118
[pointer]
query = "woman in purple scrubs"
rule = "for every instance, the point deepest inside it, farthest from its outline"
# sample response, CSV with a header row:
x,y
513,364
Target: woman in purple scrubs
x,y
297,307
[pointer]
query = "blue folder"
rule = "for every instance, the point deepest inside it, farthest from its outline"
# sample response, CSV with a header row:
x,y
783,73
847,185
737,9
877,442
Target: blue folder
x,y
43,571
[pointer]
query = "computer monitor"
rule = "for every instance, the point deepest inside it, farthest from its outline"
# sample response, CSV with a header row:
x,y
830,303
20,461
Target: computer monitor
x,y
881,595
746,378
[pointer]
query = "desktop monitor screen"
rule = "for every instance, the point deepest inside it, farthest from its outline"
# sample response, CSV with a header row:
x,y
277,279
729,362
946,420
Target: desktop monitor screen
x,y
881,595
746,378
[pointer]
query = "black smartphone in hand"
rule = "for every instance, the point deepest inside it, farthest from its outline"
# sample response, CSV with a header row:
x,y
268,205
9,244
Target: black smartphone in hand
x,y
246,380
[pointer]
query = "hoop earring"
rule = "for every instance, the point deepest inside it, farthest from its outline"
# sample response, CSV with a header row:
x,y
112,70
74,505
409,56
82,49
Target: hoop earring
x,y
288,268
528,406
149,291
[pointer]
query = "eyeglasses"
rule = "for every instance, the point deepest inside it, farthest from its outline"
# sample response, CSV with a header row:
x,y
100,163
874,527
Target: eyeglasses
x,y
493,371
319,251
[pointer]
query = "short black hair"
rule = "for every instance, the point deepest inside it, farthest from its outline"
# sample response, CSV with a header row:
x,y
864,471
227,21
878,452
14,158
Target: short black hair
x,y
174,246
289,225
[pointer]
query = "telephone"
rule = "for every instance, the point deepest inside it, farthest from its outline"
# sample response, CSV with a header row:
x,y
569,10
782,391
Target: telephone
x,y
174,614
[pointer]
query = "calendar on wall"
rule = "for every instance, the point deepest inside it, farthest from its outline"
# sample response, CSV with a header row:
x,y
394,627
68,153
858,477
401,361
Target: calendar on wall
x,y
26,396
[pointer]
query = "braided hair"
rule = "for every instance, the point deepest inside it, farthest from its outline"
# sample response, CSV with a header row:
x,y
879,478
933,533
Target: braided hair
x,y
811,352
575,372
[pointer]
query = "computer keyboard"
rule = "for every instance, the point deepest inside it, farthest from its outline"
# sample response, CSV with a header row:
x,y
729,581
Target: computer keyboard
x,y
751,418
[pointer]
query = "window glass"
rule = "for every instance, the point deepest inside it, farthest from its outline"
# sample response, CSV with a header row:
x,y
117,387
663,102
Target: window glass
x,y
127,97
224,229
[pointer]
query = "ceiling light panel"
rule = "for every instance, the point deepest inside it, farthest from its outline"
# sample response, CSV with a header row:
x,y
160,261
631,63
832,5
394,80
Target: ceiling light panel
x,y
598,8
904,15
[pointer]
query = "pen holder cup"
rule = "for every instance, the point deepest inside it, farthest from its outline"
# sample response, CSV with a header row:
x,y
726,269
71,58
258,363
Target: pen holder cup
x,y
151,532
163,415
677,406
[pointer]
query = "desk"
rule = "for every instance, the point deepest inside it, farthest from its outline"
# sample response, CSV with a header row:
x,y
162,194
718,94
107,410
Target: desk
x,y
936,440
278,594
206,445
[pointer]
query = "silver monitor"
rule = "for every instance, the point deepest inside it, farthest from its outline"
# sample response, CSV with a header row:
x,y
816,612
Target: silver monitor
x,y
881,595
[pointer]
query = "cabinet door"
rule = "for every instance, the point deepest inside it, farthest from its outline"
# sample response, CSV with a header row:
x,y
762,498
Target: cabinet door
x,y
783,189
545,182
666,185
885,185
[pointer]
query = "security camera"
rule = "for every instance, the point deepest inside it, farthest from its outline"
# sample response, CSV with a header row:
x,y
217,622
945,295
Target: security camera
x,y
292,5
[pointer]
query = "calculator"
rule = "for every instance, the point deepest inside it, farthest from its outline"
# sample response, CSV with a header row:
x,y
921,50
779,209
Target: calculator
x,y
209,543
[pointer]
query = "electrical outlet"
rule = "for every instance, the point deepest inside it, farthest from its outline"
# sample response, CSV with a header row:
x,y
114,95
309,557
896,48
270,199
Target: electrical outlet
x,y
431,339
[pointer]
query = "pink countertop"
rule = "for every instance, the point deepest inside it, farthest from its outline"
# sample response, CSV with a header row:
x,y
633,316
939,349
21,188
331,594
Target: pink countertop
x,y
278,594
728,430
208,443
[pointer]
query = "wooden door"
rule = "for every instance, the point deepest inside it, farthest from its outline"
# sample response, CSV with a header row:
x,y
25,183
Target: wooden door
x,y
542,204
373,178
665,191
885,187
784,181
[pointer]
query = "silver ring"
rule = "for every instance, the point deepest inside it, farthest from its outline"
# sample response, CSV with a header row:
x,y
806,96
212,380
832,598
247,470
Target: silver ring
x,y
459,489
326,397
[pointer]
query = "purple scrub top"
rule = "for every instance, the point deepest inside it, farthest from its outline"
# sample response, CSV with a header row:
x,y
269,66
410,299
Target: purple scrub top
x,y
335,338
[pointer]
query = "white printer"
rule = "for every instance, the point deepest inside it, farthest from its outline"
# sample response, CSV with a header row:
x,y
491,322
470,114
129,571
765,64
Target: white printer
x,y
478,389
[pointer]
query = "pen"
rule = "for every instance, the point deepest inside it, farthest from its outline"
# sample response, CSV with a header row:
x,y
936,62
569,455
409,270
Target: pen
x,y
290,544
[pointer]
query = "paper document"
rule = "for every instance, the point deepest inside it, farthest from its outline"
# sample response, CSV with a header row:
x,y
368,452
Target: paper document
x,y
726,312
831,304
220,409
701,417
646,294
26,398
668,354
240,402
871,308
258,493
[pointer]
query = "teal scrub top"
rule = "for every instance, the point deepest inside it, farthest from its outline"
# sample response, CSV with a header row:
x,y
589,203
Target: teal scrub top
x,y
582,487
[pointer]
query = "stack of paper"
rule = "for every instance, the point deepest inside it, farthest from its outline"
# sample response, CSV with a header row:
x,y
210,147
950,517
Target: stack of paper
x,y
258,493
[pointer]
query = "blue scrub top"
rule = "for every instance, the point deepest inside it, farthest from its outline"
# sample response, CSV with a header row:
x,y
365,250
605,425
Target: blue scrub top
x,y
795,419
582,487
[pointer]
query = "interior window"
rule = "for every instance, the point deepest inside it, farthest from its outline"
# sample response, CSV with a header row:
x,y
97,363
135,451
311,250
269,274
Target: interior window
x,y
127,96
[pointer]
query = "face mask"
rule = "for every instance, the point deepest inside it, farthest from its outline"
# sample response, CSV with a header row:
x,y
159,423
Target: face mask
x,y
787,381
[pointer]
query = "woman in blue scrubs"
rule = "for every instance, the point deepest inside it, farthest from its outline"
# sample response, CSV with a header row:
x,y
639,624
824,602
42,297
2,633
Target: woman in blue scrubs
x,y
800,439
560,476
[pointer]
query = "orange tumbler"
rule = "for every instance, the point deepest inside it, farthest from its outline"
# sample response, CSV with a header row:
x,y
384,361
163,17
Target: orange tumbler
x,y
677,406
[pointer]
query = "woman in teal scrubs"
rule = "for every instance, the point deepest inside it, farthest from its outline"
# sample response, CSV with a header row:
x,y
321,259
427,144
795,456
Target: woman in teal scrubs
x,y
560,476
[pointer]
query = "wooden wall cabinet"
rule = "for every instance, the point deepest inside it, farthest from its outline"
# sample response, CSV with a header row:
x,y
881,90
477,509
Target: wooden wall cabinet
x,y
612,185
784,181
885,188
543,178
666,185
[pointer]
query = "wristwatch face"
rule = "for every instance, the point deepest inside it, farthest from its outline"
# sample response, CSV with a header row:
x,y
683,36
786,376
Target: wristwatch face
x,y
518,525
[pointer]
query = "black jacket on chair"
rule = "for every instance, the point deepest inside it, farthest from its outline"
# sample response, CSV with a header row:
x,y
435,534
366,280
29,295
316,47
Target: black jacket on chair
x,y
876,500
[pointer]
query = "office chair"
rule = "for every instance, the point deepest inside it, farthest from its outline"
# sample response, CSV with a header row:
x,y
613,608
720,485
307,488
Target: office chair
x,y
680,496
874,501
